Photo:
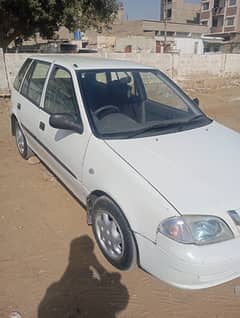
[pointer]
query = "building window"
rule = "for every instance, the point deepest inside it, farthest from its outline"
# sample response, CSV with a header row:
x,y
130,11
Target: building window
x,y
214,22
219,3
182,34
205,6
204,22
217,21
230,21
169,13
232,3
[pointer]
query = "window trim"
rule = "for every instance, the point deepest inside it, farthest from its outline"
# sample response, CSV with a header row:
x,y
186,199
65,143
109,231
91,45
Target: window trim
x,y
77,108
24,75
27,97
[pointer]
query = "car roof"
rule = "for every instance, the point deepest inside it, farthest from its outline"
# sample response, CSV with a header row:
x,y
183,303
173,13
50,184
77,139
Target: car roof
x,y
78,62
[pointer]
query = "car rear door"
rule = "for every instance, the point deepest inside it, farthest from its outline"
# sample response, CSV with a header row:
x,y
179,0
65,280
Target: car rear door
x,y
65,150
28,104
15,95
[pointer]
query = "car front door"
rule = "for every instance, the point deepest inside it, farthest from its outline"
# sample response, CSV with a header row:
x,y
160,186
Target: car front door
x,y
65,149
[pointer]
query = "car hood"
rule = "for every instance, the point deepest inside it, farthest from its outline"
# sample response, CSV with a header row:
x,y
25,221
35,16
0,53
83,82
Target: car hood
x,y
197,171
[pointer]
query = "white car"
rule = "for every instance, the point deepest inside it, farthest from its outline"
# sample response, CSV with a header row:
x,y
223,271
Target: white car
x,y
160,180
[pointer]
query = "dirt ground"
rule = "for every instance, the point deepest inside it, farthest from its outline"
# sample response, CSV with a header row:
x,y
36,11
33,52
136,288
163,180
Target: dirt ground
x,y
50,265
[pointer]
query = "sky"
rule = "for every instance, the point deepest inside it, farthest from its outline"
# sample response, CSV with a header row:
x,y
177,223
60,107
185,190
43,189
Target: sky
x,y
145,9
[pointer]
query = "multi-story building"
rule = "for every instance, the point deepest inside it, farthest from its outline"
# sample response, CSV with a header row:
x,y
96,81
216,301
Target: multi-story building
x,y
180,11
222,17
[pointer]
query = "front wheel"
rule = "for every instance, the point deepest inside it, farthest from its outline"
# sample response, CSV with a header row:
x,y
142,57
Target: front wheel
x,y
113,234
21,143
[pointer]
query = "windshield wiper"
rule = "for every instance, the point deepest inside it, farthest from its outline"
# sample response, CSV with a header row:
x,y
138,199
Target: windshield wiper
x,y
165,124
194,118
158,126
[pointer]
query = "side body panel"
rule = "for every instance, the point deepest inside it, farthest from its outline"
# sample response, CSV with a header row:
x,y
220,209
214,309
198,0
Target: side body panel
x,y
142,205
63,151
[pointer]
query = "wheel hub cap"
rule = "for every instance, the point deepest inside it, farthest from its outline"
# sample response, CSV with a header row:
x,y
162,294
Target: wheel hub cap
x,y
20,140
109,235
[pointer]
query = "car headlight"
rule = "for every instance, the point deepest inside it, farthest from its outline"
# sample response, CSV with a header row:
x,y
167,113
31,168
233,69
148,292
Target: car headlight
x,y
196,229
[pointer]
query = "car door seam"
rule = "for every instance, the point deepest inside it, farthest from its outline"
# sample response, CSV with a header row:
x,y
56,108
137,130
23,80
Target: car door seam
x,y
84,158
162,195
49,152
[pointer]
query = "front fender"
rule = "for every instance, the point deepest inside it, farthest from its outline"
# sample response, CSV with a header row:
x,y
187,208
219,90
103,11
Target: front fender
x,y
143,206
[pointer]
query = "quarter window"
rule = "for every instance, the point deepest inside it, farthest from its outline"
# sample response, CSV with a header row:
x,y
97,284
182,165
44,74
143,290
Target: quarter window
x,y
60,94
34,81
19,78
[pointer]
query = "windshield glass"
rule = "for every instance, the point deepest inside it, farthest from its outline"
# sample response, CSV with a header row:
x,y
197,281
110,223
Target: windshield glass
x,y
135,103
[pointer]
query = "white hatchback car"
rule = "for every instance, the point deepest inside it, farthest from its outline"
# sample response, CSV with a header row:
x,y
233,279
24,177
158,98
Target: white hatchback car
x,y
160,180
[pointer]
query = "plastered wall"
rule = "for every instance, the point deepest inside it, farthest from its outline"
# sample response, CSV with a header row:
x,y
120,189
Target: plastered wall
x,y
193,72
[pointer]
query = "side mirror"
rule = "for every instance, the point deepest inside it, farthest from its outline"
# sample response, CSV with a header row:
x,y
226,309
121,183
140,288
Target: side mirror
x,y
65,121
196,102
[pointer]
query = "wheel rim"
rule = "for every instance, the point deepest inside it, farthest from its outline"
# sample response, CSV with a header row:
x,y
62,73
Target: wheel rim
x,y
109,235
20,140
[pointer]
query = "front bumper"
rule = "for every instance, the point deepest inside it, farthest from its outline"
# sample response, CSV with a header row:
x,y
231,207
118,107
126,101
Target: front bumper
x,y
190,266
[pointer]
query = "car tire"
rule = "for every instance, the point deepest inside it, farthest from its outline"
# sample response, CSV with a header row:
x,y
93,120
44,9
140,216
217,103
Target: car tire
x,y
113,234
21,142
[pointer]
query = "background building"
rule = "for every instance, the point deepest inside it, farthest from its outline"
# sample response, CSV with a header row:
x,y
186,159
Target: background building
x,y
120,16
149,36
180,34
180,11
222,17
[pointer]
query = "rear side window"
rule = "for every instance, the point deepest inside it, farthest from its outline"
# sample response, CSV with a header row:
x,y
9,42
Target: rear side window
x,y
34,81
21,73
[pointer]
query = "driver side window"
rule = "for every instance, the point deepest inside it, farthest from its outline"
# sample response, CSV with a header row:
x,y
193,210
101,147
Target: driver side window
x,y
60,96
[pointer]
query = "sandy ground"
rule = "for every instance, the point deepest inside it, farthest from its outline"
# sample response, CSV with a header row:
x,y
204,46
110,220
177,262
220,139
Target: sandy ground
x,y
50,265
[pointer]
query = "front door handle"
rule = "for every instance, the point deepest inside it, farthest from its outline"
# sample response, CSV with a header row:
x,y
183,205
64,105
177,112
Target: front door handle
x,y
18,106
41,125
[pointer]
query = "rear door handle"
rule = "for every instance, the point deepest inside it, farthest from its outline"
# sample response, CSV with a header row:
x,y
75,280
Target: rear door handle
x,y
18,106
41,125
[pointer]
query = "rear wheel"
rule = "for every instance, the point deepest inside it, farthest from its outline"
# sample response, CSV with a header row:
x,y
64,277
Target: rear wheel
x,y
21,143
113,234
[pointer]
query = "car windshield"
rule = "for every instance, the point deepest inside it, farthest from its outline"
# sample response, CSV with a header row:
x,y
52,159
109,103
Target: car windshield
x,y
131,103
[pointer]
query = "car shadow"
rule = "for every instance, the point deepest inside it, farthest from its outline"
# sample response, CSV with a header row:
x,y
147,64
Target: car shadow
x,y
86,289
